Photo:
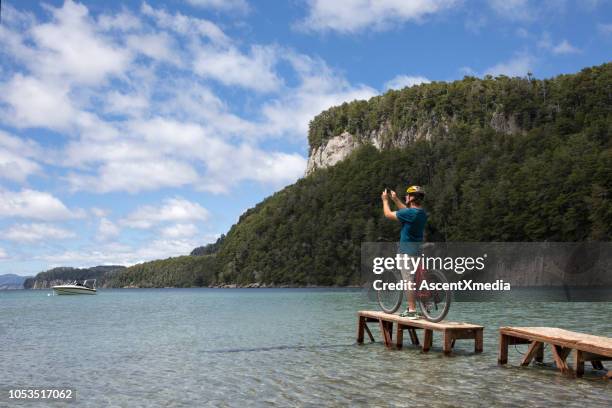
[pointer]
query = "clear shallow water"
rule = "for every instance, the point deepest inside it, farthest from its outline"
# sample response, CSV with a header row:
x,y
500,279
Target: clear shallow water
x,y
272,347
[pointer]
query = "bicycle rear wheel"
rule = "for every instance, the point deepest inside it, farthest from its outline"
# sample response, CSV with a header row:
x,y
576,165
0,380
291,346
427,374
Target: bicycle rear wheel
x,y
434,303
389,300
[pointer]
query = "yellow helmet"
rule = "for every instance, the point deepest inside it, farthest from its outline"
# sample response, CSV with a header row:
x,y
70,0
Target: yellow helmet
x,y
415,190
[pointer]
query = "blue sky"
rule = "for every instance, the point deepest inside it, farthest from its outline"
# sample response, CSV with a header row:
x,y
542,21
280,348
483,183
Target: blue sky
x,y
132,131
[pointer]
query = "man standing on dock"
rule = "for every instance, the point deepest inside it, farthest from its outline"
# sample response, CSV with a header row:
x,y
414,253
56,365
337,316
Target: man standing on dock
x,y
413,219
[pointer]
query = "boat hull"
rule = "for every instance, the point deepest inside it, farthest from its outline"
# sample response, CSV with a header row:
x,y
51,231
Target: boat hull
x,y
73,290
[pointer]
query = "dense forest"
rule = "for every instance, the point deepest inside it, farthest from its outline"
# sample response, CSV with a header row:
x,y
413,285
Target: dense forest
x,y
550,179
66,274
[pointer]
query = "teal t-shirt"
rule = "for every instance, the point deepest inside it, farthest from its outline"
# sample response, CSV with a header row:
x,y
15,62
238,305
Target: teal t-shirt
x,y
413,225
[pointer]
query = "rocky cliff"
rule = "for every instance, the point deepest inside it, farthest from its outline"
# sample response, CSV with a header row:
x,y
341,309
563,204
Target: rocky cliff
x,y
429,111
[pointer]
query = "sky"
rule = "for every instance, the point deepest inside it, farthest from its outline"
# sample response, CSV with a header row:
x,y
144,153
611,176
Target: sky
x,y
132,131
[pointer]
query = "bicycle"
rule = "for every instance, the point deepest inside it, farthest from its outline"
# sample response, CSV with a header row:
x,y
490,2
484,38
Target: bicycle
x,y
434,304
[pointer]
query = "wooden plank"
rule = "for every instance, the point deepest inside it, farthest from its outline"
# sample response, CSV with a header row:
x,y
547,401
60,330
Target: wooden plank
x,y
427,340
502,357
534,348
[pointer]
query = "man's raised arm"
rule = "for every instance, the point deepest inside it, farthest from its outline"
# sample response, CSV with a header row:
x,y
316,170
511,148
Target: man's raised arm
x,y
386,210
397,201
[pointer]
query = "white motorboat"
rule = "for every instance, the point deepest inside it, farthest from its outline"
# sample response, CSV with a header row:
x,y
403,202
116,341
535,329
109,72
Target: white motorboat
x,y
76,288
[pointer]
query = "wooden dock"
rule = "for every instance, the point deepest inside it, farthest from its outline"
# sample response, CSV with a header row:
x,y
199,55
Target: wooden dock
x,y
586,347
451,331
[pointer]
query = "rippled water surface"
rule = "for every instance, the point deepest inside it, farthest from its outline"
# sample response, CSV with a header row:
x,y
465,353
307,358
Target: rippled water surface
x,y
273,347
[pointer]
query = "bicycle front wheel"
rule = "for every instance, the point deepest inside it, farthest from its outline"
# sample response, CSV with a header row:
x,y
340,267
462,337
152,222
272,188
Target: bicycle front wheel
x,y
434,303
389,300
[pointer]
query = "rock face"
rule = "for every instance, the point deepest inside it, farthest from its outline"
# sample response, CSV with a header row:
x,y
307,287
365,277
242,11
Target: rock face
x,y
339,147
336,149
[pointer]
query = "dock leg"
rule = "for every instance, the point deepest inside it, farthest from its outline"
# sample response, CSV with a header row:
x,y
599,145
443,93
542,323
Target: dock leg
x,y
414,339
478,341
503,349
448,342
399,336
539,356
367,329
360,327
559,354
579,363
597,365
386,332
534,348
427,340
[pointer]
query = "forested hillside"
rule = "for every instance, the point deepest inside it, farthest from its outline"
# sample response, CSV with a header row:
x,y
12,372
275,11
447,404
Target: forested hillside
x,y
550,179
60,275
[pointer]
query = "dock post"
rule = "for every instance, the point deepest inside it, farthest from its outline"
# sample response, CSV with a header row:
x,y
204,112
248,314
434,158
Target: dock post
x,y
427,340
360,329
478,341
448,342
503,349
399,336
579,363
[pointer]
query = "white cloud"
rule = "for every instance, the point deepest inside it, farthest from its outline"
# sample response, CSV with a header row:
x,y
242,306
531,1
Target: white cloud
x,y
113,253
179,231
16,156
35,232
319,88
222,5
107,229
37,103
231,67
123,21
134,176
172,210
402,81
3,254
158,46
349,16
191,26
35,205
70,48
564,47
520,65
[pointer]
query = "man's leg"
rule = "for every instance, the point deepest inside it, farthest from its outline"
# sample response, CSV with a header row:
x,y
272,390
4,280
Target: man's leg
x,y
409,277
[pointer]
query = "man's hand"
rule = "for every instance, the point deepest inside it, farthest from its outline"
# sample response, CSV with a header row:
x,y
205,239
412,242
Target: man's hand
x,y
393,195
384,195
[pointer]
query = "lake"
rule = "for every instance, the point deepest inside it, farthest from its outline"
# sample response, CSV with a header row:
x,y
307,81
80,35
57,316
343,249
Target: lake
x,y
273,347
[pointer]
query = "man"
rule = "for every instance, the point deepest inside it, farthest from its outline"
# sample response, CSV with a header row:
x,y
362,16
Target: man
x,y
413,218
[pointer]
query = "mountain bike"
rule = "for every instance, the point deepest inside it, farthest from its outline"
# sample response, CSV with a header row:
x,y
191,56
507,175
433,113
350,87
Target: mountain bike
x,y
434,304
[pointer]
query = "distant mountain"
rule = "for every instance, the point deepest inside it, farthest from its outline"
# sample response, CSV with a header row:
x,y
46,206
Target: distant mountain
x,y
12,281
61,275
